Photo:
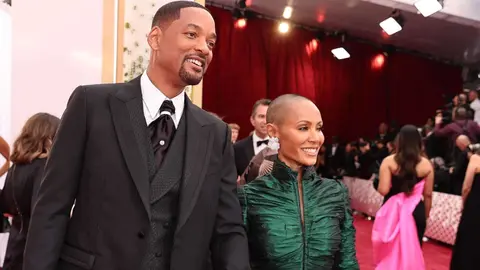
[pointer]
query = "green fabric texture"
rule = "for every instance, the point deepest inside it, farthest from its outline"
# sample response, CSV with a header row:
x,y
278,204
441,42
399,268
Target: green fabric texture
x,y
276,236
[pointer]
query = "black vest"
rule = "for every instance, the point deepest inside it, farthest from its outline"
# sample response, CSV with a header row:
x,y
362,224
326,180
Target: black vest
x,y
165,185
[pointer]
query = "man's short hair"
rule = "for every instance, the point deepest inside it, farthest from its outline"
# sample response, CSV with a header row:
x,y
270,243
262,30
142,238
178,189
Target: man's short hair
x,y
170,12
264,102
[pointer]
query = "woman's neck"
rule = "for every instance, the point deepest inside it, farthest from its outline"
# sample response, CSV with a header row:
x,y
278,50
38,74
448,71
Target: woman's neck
x,y
294,166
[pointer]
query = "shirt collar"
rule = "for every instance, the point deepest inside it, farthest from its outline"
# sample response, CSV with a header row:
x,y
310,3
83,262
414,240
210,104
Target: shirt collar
x,y
153,99
257,139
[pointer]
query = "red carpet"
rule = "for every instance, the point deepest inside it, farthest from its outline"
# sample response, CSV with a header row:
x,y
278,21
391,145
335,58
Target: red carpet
x,y
437,256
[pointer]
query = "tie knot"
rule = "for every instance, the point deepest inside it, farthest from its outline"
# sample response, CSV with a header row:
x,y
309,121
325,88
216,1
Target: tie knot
x,y
167,106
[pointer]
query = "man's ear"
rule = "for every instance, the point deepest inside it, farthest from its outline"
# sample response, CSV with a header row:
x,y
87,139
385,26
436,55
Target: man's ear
x,y
252,120
154,37
272,130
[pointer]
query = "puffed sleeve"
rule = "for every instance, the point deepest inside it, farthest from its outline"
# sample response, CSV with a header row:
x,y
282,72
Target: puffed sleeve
x,y
346,258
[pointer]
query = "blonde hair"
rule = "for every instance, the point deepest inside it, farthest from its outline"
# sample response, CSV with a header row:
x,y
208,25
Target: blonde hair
x,y
234,126
36,138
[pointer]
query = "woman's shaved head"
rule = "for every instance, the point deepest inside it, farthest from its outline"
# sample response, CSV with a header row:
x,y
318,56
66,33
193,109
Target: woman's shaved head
x,y
297,123
281,105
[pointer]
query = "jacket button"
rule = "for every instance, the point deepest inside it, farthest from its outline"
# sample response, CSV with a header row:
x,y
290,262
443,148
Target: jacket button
x,y
166,225
158,254
141,234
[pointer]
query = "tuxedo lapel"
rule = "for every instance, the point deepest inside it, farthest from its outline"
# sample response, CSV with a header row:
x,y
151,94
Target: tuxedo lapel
x,y
249,151
130,126
197,155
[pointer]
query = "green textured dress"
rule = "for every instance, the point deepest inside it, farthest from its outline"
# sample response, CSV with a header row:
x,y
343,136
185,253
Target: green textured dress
x,y
277,238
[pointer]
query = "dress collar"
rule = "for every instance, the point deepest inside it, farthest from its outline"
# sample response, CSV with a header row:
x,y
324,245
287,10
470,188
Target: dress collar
x,y
284,173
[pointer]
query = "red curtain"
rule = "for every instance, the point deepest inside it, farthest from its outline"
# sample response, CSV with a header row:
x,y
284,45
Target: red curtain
x,y
257,62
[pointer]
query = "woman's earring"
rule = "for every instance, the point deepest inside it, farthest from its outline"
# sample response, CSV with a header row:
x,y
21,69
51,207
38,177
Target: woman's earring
x,y
273,143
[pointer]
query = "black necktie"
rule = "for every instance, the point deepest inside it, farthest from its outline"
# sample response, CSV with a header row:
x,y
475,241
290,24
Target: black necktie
x,y
262,142
162,131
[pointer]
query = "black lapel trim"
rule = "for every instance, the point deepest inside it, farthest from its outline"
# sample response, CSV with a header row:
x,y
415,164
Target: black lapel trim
x,y
199,143
128,119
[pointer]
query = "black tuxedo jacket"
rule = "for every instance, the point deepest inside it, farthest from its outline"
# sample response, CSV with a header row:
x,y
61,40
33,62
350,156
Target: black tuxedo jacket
x,y
244,153
96,163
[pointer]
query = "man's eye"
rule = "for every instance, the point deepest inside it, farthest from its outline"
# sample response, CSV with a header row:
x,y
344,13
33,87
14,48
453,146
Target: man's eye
x,y
191,34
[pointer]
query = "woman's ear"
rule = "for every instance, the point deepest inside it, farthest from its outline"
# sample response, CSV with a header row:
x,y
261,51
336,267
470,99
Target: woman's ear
x,y
272,130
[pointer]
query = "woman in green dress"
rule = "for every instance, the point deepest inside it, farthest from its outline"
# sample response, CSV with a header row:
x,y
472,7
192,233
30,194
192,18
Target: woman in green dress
x,y
296,220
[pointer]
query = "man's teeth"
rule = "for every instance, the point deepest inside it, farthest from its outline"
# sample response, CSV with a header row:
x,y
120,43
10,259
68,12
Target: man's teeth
x,y
310,150
196,62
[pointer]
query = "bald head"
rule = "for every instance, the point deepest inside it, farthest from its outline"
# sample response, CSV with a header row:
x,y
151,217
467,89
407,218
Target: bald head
x,y
462,142
281,105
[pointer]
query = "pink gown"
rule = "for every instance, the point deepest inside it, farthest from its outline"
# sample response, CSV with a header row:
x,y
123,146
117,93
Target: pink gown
x,y
394,234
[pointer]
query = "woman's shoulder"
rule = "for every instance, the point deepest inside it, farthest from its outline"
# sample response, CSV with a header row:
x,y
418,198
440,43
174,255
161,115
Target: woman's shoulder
x,y
266,181
330,183
331,187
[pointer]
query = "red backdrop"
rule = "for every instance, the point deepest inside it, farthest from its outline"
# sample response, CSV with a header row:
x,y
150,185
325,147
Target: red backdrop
x,y
257,62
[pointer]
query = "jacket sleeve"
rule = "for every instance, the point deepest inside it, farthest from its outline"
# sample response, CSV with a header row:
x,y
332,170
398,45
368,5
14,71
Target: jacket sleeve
x,y
346,258
242,197
229,244
51,209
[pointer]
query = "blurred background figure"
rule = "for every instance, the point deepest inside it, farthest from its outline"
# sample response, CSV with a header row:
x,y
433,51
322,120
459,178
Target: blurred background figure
x,y
29,155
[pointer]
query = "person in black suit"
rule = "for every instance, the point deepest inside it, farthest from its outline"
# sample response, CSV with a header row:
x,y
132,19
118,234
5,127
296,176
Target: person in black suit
x,y
152,175
248,147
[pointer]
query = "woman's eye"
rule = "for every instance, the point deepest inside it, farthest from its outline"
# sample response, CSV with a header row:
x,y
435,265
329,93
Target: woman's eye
x,y
303,128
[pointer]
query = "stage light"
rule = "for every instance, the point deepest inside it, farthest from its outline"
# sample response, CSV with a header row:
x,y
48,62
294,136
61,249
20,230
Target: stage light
x,y
378,61
428,7
311,47
390,26
393,24
241,23
321,16
340,53
287,12
283,27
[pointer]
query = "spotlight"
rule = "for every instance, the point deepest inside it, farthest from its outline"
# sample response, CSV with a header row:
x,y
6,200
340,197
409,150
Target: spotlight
x,y
429,7
393,24
287,12
378,61
283,27
340,53
240,18
240,23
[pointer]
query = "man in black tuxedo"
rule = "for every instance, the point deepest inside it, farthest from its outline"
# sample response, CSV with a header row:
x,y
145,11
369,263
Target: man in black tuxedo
x,y
248,147
152,175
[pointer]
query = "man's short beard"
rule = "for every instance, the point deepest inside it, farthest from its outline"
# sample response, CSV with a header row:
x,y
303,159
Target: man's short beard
x,y
188,78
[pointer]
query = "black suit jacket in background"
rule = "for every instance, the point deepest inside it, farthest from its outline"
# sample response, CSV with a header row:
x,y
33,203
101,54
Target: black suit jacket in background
x,y
244,153
96,162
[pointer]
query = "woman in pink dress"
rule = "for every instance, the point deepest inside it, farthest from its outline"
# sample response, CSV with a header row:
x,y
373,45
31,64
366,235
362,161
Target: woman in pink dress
x,y
406,181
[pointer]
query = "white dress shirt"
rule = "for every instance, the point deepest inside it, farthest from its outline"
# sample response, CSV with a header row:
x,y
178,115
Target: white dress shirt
x,y
256,139
475,105
153,99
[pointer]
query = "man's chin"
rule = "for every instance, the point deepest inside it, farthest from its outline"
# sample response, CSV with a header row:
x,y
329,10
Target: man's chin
x,y
192,80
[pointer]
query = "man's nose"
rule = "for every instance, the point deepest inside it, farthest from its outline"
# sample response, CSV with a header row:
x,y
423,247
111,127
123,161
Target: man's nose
x,y
202,47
